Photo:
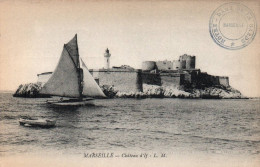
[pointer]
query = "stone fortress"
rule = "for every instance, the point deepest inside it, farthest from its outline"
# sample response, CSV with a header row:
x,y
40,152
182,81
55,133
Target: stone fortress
x,y
177,78
180,73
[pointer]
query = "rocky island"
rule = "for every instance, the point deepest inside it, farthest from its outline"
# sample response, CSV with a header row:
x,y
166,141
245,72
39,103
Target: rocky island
x,y
161,79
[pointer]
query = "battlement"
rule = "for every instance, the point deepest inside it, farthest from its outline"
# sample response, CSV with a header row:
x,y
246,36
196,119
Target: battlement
x,y
185,62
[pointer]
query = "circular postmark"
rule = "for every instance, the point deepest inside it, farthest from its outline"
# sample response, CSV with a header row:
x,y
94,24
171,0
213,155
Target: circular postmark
x,y
232,26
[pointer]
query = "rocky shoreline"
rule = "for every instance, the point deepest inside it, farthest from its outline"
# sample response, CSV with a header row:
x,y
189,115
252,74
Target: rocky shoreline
x,y
154,91
31,90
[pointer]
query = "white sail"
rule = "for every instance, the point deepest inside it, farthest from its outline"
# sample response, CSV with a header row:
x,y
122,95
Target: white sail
x,y
90,87
71,77
65,79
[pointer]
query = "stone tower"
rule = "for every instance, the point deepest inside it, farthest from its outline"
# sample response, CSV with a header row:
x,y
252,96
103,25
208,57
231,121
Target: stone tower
x,y
107,60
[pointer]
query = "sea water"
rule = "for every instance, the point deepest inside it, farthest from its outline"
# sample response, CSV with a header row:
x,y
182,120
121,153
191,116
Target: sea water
x,y
172,126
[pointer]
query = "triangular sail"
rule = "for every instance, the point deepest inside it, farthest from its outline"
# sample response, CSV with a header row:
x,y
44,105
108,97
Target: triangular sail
x,y
65,79
90,87
72,48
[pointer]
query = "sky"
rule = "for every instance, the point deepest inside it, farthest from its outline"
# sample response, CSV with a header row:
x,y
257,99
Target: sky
x,y
32,34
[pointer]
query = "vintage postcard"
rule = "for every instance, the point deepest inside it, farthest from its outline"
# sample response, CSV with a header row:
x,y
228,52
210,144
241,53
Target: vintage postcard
x,y
129,83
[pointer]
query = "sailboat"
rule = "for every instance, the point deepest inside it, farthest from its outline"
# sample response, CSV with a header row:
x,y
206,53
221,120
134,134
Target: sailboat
x,y
71,79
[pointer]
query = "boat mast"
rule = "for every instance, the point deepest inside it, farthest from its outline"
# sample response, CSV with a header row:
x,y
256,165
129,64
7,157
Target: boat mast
x,y
77,66
80,73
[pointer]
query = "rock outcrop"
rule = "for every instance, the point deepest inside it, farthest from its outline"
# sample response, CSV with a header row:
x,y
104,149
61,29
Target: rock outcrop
x,y
29,90
163,91
149,91
109,90
154,91
216,92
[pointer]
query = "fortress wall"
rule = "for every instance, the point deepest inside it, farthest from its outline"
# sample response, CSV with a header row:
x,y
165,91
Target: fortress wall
x,y
151,78
172,80
205,79
176,65
214,80
124,81
224,81
211,80
181,79
43,78
183,59
148,65
187,61
190,62
188,77
164,65
193,62
183,64
194,75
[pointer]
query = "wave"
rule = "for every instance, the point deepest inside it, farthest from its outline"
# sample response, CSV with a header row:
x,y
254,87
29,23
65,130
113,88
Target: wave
x,y
24,141
113,121
117,145
158,131
9,117
227,140
209,138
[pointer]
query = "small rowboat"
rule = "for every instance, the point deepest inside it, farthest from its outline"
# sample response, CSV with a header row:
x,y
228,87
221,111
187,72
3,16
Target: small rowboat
x,y
37,122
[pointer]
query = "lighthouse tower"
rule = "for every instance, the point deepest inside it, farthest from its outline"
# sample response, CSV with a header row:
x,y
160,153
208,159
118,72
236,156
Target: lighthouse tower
x,y
107,60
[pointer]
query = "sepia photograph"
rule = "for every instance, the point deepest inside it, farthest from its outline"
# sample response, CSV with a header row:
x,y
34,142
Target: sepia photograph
x,y
106,83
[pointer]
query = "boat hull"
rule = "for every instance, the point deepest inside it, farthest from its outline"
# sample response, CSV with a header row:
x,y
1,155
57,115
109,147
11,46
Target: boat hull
x,y
37,122
84,102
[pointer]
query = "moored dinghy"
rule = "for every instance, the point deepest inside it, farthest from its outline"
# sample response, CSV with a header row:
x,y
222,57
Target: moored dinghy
x,y
72,79
37,122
